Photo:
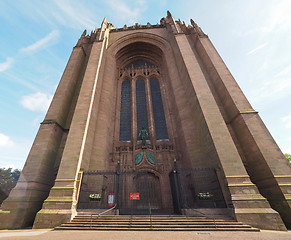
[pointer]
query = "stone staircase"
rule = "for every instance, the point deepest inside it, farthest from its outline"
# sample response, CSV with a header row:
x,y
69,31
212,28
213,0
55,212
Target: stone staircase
x,y
154,223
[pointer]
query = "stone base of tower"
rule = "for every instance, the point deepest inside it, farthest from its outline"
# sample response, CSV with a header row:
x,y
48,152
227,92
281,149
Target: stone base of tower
x,y
59,207
267,219
50,218
262,218
20,208
251,207
16,218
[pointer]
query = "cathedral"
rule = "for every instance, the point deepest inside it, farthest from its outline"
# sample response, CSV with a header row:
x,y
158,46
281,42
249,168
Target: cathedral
x,y
147,119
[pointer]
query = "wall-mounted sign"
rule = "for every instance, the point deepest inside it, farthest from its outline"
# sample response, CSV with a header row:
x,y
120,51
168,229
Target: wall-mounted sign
x,y
110,199
134,196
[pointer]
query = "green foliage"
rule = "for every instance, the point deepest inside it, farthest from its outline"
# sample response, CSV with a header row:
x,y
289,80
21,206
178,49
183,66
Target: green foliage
x,y
8,180
95,196
288,156
204,195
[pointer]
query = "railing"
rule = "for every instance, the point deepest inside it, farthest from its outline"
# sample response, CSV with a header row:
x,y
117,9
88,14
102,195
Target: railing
x,y
150,214
79,182
99,214
207,215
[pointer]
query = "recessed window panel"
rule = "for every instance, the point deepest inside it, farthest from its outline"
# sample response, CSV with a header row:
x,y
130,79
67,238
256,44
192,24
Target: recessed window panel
x,y
158,109
125,112
141,106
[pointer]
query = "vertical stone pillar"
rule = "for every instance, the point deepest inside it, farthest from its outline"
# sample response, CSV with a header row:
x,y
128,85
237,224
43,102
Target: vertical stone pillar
x,y
266,165
37,177
133,112
245,197
150,111
60,105
133,119
60,206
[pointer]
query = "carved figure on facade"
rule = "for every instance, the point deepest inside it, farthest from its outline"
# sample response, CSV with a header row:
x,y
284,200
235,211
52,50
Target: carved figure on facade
x,y
143,134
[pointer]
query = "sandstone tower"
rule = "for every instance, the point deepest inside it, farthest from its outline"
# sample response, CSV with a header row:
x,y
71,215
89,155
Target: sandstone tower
x,y
200,135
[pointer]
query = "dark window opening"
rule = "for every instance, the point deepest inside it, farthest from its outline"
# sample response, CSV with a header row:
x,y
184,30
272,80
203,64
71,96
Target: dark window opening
x,y
141,106
125,112
158,110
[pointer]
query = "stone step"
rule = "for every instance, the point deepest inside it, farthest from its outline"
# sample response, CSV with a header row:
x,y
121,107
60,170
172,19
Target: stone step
x,y
148,219
145,219
157,223
178,219
154,221
157,229
153,217
157,219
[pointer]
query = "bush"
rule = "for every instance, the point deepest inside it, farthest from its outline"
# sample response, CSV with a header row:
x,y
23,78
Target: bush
x,y
8,180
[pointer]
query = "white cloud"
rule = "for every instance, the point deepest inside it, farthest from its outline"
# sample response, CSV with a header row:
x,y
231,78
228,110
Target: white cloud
x,y
37,101
5,141
280,16
74,13
284,72
16,155
123,10
270,91
42,43
287,120
37,120
7,165
6,65
286,150
257,48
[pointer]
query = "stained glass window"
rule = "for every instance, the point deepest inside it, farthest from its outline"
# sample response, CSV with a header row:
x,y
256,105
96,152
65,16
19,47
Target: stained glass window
x,y
125,112
141,106
158,109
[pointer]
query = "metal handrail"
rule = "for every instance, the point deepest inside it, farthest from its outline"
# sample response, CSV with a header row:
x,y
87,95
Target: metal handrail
x,y
150,214
207,215
107,210
99,214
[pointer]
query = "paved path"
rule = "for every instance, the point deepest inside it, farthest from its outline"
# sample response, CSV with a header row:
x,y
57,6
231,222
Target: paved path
x,y
48,234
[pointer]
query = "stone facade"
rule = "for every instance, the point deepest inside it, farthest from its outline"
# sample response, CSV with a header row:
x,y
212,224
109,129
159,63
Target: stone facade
x,y
209,123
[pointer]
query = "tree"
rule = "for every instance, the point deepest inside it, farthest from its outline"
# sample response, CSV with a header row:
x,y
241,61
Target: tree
x,y
8,180
288,156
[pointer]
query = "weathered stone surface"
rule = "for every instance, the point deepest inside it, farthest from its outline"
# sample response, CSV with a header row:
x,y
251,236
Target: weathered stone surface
x,y
209,121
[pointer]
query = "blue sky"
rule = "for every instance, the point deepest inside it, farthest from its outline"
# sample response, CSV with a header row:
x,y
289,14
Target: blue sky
x,y
36,39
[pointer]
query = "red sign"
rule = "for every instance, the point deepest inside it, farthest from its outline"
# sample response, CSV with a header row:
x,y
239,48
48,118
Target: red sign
x,y
110,199
134,196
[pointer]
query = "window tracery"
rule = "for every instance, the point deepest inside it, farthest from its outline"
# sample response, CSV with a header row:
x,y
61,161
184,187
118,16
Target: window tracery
x,y
144,100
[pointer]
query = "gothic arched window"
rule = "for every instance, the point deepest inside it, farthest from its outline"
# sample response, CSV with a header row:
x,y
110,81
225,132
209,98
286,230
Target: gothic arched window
x,y
125,112
158,110
141,96
141,106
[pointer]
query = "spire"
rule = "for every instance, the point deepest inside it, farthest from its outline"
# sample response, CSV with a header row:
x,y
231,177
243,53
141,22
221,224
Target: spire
x,y
104,24
197,29
104,30
79,43
192,22
84,33
170,20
